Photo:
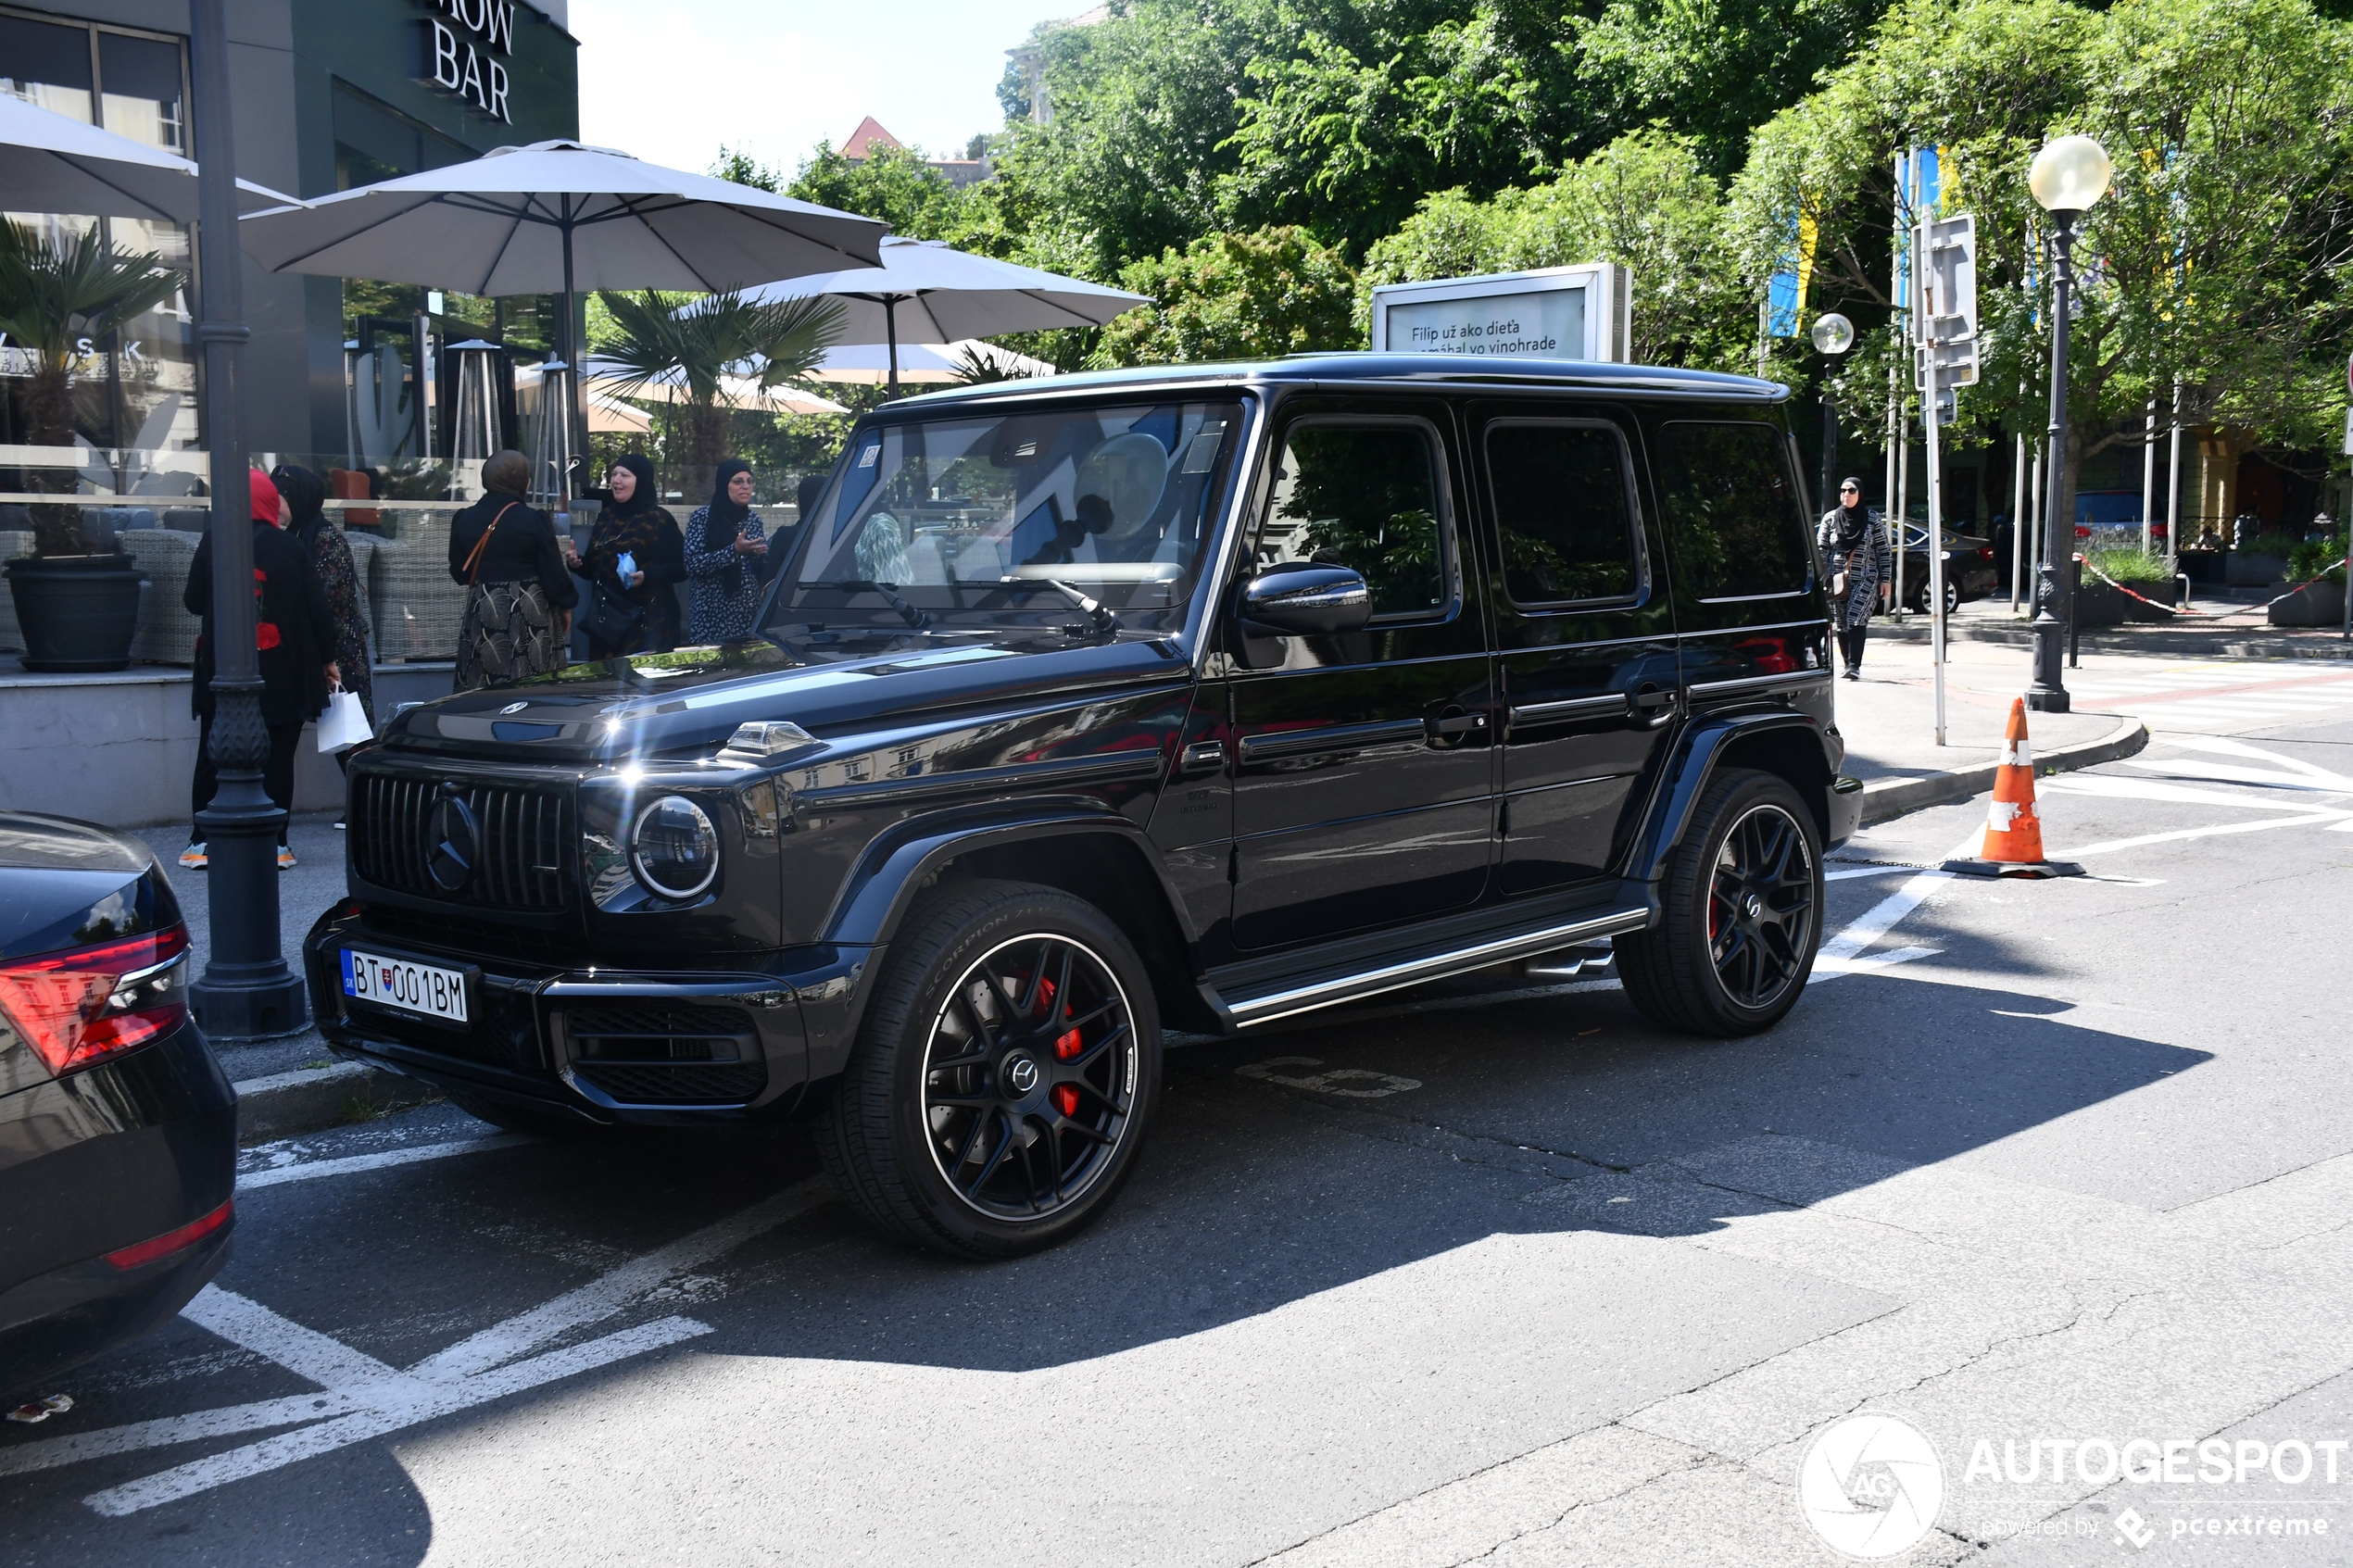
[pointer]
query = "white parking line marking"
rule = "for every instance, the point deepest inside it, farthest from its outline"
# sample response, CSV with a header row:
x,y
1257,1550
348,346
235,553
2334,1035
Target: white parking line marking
x,y
1828,969
2318,818
603,1297
363,1398
2153,789
311,1170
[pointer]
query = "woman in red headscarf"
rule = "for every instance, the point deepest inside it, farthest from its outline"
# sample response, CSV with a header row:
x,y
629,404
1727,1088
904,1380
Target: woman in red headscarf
x,y
295,637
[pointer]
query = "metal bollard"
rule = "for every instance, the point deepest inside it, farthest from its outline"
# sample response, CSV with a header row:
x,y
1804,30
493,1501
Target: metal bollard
x,y
2180,590
2075,602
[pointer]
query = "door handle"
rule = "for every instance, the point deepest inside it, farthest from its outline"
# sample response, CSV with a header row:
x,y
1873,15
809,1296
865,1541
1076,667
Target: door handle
x,y
1453,728
1202,757
1652,704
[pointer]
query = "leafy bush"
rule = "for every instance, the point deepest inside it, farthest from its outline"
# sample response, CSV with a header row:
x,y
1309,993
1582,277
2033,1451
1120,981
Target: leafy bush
x,y
2313,556
2126,563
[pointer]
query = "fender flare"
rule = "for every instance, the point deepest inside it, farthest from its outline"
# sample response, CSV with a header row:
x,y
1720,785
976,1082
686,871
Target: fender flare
x,y
875,895
1690,766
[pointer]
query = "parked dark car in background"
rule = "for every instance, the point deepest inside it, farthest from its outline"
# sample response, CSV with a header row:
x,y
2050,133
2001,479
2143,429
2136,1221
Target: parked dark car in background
x,y
117,1128
1197,697
1972,569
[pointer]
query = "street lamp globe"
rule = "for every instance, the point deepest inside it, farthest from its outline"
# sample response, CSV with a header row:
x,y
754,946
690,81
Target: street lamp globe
x,y
1834,333
2070,174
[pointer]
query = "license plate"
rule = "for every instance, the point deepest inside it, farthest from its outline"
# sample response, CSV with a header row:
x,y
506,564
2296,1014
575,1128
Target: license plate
x,y
427,990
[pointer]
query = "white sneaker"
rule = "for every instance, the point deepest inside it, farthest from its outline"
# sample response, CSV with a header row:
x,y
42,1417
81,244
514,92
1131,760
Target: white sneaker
x,y
193,858
285,858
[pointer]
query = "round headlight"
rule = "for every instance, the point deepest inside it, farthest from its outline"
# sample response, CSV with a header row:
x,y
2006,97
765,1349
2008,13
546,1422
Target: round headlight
x,y
673,848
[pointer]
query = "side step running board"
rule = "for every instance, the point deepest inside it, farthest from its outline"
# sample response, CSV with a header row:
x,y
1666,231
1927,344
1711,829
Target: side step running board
x,y
1332,990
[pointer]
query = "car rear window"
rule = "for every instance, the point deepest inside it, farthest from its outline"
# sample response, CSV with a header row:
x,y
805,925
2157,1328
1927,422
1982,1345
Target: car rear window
x,y
1733,510
1561,513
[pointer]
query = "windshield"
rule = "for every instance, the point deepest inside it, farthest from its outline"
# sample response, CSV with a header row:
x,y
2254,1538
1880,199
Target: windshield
x,y
1012,517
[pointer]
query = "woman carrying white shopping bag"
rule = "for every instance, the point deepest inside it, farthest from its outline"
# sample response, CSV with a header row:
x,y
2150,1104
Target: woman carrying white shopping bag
x,y
345,724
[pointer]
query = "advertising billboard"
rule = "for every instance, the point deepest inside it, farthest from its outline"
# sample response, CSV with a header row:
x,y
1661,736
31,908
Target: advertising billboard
x,y
1582,312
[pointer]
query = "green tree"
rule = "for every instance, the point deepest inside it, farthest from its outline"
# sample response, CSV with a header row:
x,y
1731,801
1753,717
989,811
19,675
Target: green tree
x,y
53,300
2218,260
1235,296
1644,201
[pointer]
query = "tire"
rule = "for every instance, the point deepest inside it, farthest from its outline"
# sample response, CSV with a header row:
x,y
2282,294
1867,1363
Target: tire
x,y
1689,973
982,1114
523,1119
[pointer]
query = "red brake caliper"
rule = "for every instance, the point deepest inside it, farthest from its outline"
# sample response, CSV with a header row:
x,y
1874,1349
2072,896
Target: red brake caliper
x,y
1066,1045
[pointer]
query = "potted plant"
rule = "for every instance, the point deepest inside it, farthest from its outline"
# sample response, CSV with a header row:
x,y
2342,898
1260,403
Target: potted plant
x,y
78,604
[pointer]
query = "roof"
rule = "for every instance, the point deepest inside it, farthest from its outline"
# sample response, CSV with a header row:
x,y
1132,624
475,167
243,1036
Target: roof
x,y
1402,370
869,135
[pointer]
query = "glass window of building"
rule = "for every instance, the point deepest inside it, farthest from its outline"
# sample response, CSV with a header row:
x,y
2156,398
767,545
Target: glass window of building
x,y
135,393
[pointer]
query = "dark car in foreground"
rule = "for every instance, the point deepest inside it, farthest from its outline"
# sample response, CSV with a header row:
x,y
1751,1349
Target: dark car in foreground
x,y
1195,698
118,1129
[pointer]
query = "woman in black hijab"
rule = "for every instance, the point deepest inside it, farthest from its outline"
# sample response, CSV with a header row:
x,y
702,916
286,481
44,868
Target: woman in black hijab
x,y
1855,550
725,548
305,494
519,594
635,526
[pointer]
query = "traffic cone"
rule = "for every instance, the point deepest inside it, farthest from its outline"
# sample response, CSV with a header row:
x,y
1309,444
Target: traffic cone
x,y
2013,844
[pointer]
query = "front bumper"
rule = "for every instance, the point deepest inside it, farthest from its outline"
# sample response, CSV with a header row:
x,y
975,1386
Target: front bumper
x,y
658,1047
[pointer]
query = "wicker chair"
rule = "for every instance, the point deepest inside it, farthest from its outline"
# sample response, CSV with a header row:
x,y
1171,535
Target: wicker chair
x,y
416,608
167,632
14,542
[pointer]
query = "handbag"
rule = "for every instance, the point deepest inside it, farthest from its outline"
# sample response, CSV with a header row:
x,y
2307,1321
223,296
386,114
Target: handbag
x,y
345,724
610,619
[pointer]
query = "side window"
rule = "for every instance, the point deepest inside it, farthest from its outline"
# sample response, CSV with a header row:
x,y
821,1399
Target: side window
x,y
1733,510
1561,513
1362,496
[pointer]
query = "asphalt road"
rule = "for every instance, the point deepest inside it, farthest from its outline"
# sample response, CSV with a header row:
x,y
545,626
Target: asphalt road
x,y
2041,1170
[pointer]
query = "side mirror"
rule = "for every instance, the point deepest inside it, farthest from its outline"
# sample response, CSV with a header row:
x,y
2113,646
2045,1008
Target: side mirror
x,y
1305,600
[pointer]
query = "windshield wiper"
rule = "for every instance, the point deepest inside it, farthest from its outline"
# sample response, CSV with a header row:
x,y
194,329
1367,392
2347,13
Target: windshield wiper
x,y
1101,618
919,620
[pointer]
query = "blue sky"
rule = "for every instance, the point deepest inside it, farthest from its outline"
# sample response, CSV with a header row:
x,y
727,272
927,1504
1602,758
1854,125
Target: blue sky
x,y
671,79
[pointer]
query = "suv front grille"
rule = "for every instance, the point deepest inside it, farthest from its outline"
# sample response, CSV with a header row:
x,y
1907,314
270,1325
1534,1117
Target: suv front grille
x,y
526,840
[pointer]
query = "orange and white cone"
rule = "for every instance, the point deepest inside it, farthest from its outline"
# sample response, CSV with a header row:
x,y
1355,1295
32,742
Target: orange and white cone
x,y
2013,833
2013,845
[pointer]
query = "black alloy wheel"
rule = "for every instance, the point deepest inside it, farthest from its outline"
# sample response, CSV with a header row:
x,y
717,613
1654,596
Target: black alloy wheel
x,y
1760,906
1740,912
1030,1083
1006,1069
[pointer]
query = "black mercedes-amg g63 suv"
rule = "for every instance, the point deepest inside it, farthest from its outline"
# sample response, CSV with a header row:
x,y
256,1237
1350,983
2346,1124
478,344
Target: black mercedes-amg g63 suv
x,y
1191,697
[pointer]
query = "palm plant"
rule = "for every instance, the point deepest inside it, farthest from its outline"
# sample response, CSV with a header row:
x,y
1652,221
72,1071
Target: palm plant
x,y
54,299
703,346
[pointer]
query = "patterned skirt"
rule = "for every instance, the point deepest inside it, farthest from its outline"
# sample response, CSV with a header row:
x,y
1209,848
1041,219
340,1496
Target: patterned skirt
x,y
508,634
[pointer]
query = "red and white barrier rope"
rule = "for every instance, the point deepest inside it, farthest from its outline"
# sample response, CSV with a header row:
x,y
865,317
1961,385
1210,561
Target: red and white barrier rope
x,y
2215,615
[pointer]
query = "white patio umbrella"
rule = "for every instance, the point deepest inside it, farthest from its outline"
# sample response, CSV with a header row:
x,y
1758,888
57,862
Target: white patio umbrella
x,y
50,162
559,216
868,364
926,293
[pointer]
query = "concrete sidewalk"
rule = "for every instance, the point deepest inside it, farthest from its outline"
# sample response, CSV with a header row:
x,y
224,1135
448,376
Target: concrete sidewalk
x,y
2225,624
1888,718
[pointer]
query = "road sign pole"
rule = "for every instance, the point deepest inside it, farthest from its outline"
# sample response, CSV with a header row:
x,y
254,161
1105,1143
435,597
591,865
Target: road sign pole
x,y
1926,316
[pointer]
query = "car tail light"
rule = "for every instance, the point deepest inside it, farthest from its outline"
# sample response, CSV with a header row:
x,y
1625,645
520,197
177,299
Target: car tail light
x,y
1985,552
164,1245
79,1007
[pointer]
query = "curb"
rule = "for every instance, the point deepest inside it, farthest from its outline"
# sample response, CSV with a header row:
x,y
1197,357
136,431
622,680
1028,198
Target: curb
x,y
310,1100
1886,798
2161,643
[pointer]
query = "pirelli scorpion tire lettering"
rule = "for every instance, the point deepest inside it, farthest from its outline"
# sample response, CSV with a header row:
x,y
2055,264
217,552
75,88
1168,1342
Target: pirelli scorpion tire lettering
x,y
1741,913
1004,1074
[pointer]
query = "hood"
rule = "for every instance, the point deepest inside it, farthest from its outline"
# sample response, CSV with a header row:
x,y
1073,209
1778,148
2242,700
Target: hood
x,y
690,700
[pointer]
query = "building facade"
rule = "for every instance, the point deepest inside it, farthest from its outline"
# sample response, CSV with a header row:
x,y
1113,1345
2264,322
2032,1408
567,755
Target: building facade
x,y
328,95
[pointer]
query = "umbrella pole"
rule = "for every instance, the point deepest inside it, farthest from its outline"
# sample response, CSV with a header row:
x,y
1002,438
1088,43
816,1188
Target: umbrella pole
x,y
890,329
576,434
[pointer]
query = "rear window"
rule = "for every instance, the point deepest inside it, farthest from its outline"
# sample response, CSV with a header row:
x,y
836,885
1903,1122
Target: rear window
x,y
1733,510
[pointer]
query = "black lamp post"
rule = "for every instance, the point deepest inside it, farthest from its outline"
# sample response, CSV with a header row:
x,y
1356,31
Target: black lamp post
x,y
246,992
1833,335
2069,175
